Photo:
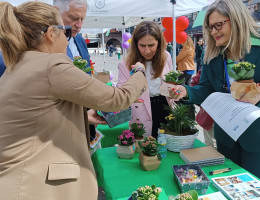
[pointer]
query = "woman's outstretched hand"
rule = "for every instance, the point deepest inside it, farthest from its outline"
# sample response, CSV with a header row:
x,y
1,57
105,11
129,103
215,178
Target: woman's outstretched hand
x,y
177,92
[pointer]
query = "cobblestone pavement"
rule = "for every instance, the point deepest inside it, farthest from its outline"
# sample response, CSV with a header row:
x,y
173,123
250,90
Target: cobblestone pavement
x,y
110,64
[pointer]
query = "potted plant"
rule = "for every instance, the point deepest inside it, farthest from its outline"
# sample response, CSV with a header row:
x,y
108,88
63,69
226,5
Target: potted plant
x,y
147,193
244,85
171,77
81,64
148,157
126,148
138,129
180,128
190,195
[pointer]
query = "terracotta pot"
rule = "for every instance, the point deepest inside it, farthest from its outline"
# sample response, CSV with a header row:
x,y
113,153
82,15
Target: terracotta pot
x,y
245,90
149,163
137,147
126,152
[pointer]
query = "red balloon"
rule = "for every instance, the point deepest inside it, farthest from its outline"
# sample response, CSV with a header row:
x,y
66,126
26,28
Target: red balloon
x,y
167,23
87,41
181,37
168,35
182,23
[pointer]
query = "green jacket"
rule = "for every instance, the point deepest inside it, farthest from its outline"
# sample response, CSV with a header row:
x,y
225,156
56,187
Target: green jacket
x,y
212,80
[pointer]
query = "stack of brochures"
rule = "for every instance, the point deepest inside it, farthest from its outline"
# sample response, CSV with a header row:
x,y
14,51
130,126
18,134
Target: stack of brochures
x,y
202,156
240,186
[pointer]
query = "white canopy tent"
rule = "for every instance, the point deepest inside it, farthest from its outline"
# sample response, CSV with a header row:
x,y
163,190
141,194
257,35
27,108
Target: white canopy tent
x,y
119,14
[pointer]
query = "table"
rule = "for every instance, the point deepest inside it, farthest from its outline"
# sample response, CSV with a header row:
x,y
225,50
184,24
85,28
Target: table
x,y
120,177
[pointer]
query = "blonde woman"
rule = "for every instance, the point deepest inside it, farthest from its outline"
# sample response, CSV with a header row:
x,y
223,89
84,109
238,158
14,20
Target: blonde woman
x,y
43,148
228,27
185,60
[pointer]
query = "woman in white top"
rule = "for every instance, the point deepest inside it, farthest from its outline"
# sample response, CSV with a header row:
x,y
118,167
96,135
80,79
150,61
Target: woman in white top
x,y
148,47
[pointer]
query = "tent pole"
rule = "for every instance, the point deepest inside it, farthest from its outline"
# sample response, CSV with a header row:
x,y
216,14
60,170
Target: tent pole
x,y
174,35
104,54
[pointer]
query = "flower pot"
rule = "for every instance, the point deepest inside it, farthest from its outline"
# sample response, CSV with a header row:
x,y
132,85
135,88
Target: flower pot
x,y
126,152
245,90
148,162
177,142
137,147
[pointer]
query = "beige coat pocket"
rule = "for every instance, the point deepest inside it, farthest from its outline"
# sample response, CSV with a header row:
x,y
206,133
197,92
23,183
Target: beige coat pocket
x,y
61,171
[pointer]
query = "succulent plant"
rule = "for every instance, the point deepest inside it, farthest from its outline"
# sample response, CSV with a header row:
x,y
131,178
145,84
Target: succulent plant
x,y
138,129
149,146
147,193
81,64
190,195
242,71
173,77
127,138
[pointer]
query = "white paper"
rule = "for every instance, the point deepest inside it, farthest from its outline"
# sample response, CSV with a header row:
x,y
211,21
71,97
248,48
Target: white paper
x,y
232,116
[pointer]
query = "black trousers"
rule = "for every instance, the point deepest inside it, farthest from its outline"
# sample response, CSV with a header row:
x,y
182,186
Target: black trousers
x,y
159,113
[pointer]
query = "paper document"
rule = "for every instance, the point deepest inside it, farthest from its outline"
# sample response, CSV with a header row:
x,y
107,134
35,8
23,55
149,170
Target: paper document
x,y
232,116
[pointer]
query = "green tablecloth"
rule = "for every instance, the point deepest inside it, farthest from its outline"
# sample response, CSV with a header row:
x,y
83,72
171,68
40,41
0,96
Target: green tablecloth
x,y
111,134
120,177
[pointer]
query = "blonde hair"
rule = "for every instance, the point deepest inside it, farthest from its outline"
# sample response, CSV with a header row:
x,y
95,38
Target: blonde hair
x,y
143,29
21,28
243,26
189,43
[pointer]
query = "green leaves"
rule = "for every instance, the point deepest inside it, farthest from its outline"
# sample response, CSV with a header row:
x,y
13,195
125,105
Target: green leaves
x,y
147,193
81,64
242,71
138,129
149,146
173,77
179,119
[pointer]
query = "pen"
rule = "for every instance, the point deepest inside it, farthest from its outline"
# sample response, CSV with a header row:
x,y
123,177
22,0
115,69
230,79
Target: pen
x,y
220,171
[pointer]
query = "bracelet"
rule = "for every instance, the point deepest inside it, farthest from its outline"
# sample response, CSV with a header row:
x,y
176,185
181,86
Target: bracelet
x,y
134,70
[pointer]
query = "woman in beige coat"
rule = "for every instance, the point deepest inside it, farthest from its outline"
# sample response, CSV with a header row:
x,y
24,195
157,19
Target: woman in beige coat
x,y
43,148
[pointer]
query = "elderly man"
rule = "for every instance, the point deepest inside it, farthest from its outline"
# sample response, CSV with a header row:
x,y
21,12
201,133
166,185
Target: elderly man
x,y
73,12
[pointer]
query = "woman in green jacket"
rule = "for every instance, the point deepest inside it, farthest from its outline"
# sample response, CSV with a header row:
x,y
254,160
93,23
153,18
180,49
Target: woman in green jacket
x,y
228,27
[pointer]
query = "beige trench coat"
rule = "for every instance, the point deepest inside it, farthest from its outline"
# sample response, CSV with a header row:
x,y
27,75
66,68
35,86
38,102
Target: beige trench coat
x,y
43,147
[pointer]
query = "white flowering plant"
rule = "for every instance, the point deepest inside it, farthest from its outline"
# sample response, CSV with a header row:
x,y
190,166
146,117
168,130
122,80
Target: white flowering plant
x,y
190,195
147,193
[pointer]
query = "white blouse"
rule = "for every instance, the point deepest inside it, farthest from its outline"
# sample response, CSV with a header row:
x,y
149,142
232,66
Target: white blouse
x,y
154,84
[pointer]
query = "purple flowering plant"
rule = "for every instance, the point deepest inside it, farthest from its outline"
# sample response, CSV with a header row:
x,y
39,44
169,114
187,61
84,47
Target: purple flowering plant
x,y
138,129
127,138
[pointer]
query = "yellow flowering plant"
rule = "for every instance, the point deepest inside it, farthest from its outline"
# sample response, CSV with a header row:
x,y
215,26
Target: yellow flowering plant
x,y
242,71
180,120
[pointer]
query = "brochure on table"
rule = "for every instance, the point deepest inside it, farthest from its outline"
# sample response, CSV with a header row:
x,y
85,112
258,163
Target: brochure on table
x,y
238,187
232,116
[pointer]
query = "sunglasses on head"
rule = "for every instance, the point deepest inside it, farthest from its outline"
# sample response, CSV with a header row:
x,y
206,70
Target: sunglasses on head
x,y
66,29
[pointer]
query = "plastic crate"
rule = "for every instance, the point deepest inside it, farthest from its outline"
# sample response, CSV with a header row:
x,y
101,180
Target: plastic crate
x,y
200,187
115,119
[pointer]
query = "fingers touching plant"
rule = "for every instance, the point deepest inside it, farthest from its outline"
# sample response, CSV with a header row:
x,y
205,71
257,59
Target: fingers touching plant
x,y
127,138
149,146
